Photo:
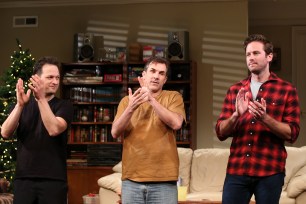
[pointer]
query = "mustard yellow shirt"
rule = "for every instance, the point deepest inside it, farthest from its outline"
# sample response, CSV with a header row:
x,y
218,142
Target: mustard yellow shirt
x,y
149,145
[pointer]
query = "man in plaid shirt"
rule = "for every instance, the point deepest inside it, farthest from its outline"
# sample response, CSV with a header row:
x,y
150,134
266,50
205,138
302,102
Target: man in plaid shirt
x,y
260,113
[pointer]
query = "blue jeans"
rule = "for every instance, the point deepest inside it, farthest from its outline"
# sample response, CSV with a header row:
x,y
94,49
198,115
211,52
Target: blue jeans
x,y
149,192
239,189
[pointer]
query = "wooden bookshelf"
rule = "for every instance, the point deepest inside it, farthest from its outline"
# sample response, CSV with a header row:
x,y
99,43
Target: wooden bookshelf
x,y
83,180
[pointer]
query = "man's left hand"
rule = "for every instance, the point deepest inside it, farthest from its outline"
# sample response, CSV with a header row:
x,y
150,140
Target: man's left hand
x,y
258,110
36,86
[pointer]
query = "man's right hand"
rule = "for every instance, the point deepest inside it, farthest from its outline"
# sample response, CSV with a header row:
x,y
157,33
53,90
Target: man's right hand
x,y
22,97
137,98
242,102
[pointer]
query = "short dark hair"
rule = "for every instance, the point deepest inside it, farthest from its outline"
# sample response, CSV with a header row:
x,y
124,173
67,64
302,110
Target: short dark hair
x,y
37,69
268,46
159,60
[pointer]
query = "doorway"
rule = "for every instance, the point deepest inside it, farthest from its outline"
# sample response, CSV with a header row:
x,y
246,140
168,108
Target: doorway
x,y
299,75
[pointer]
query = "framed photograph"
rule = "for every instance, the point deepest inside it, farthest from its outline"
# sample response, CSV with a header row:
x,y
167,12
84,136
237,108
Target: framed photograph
x,y
112,78
276,62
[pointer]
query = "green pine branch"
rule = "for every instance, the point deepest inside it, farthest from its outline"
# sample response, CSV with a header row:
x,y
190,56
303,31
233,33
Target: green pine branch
x,y
22,64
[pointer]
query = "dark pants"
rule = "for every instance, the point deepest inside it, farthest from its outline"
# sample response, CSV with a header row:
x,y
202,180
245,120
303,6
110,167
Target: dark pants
x,y
239,189
40,191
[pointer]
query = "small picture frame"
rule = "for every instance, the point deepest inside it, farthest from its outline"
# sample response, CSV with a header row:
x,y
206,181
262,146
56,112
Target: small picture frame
x,y
275,64
112,78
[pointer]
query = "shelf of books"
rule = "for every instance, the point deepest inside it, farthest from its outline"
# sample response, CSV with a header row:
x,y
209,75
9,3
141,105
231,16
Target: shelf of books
x,y
95,89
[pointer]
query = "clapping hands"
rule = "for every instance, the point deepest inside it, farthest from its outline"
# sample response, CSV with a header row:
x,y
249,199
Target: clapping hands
x,y
243,104
22,97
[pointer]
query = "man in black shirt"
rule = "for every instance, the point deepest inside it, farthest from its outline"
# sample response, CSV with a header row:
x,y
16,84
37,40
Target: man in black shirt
x,y
40,121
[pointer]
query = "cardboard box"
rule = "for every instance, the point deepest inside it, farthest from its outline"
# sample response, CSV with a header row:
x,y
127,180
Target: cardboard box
x,y
91,199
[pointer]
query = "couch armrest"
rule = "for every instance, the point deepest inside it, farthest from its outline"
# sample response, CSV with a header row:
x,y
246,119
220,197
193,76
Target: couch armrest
x,y
107,196
301,199
111,182
297,183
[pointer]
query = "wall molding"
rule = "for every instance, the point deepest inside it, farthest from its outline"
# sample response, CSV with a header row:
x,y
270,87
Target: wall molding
x,y
52,3
277,22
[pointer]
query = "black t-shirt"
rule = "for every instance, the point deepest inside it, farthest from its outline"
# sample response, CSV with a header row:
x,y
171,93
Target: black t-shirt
x,y
38,154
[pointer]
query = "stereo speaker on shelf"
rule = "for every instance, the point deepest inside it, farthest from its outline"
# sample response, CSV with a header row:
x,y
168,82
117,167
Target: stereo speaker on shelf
x,y
178,45
88,47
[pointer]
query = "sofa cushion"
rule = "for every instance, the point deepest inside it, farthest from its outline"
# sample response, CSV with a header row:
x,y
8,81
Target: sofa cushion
x,y
217,196
118,167
297,183
284,199
112,182
185,158
295,161
212,196
208,170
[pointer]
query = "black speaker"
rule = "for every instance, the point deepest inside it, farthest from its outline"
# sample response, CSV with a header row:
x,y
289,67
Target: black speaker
x,y
178,45
83,47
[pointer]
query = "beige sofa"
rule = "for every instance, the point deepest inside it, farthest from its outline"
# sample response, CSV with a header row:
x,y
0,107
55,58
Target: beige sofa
x,y
203,171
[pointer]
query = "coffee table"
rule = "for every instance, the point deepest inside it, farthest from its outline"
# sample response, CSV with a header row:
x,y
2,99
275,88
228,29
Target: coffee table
x,y
204,202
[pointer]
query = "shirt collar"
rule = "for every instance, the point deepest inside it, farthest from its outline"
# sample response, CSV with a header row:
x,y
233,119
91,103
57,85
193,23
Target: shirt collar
x,y
272,77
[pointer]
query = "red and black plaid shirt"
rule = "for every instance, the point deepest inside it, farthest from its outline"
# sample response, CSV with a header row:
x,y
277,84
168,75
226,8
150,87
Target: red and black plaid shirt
x,y
255,151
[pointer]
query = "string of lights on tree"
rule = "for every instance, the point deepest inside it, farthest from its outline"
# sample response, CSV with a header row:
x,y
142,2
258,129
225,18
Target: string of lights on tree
x,y
22,64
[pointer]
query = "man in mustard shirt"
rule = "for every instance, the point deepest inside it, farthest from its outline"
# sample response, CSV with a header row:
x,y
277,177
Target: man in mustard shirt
x,y
148,119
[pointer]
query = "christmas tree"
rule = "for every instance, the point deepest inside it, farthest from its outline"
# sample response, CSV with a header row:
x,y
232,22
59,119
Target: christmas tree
x,y
22,64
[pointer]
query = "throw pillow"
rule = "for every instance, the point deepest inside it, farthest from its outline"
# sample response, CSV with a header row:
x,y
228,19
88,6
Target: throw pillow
x,y
297,183
112,182
208,170
295,161
118,167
